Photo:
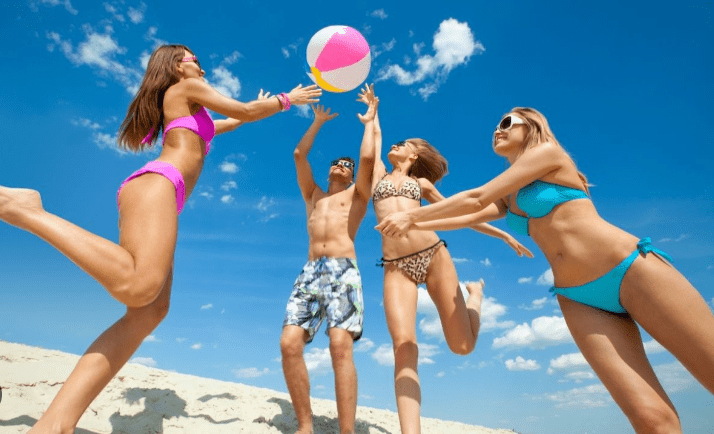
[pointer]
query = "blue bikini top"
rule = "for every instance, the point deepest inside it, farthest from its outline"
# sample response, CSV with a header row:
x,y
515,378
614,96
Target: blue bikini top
x,y
538,199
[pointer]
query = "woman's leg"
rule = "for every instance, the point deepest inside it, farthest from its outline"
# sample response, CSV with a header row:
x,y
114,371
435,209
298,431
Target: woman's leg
x,y
400,302
671,310
460,319
135,270
613,347
101,362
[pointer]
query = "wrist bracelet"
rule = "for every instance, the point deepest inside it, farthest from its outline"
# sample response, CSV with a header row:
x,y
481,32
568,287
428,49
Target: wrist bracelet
x,y
285,101
281,100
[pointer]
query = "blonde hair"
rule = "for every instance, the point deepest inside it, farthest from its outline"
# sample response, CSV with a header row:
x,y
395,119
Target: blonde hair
x,y
146,111
539,132
430,164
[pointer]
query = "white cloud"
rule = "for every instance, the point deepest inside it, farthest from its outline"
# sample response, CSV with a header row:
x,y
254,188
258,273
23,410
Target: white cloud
x,y
250,372
674,377
460,260
676,240
524,280
430,325
544,331
453,46
578,376
486,262
196,346
592,396
114,11
146,361
384,354
521,364
440,374
180,340
99,51
379,13
653,347
265,203
228,167
318,361
303,111
151,338
227,199
291,48
136,15
206,194
66,3
207,306
225,82
545,279
366,396
102,140
384,47
229,185
363,345
567,361
269,217
536,304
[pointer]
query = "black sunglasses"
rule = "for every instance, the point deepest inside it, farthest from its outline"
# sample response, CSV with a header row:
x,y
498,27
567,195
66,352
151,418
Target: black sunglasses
x,y
400,143
346,164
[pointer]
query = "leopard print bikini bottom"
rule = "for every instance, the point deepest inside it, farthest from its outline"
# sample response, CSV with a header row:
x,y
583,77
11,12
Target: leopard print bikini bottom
x,y
416,264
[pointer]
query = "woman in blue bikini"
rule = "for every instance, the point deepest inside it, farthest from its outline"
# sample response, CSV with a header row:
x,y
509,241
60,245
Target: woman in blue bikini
x,y
606,281
138,271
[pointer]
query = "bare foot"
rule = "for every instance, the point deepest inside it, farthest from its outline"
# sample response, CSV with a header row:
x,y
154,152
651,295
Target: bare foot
x,y
475,290
16,203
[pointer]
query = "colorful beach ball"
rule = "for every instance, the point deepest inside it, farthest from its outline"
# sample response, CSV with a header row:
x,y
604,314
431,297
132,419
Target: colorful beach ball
x,y
339,58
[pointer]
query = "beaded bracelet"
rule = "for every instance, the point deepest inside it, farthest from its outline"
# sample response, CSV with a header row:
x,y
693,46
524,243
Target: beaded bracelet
x,y
285,101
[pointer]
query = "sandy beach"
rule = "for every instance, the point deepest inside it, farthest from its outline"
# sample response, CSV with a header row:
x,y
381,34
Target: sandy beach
x,y
143,400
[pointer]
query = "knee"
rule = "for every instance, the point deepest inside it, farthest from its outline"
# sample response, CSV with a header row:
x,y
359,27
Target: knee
x,y
660,419
290,347
341,347
140,293
405,348
149,317
462,348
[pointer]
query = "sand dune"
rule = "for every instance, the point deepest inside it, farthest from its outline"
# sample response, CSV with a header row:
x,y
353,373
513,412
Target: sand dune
x,y
142,400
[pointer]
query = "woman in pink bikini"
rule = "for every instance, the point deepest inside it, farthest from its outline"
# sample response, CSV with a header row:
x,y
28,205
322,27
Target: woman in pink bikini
x,y
173,98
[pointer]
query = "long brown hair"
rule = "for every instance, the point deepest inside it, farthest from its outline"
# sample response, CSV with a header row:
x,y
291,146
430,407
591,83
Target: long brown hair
x,y
539,132
146,111
430,164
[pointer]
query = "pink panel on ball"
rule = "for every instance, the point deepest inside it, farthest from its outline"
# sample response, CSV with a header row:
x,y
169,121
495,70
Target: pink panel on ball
x,y
342,50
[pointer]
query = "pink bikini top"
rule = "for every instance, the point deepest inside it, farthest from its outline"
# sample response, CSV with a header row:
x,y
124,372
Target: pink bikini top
x,y
200,123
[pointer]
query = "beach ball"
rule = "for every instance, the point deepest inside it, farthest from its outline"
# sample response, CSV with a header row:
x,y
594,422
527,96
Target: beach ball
x,y
339,58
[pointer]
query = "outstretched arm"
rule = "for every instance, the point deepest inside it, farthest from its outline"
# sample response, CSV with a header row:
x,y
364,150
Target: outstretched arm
x,y
533,164
227,125
306,181
363,179
378,169
202,93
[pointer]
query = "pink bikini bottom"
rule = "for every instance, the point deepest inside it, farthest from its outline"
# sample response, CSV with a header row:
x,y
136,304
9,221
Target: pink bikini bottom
x,y
165,169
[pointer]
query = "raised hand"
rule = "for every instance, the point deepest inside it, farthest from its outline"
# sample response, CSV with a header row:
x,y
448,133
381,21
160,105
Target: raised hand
x,y
518,247
371,110
366,94
395,224
305,95
262,95
322,115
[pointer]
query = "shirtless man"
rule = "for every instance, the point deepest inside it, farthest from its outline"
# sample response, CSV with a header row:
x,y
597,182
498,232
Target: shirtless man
x,y
329,286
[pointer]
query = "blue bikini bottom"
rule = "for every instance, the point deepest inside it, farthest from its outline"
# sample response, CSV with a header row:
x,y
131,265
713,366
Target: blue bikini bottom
x,y
604,292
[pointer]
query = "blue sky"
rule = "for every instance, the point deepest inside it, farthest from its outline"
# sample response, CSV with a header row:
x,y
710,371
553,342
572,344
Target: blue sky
x,y
627,90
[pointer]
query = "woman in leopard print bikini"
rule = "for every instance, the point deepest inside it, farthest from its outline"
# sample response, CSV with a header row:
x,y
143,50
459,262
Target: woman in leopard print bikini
x,y
417,258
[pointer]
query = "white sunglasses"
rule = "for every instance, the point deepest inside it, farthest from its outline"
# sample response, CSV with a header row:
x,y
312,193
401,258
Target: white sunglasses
x,y
508,122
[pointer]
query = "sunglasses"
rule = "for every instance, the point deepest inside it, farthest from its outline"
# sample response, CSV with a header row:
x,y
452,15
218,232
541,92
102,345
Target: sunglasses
x,y
192,59
508,122
346,164
400,143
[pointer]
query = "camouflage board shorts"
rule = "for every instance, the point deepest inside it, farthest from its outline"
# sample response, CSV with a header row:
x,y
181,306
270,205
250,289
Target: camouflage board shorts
x,y
327,288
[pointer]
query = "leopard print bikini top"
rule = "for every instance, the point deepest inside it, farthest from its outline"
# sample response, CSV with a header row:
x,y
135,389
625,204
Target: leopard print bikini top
x,y
410,189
